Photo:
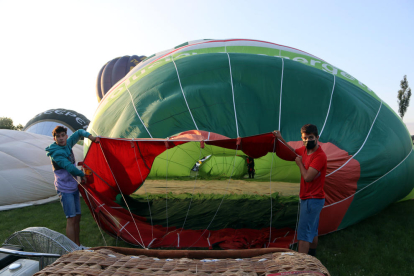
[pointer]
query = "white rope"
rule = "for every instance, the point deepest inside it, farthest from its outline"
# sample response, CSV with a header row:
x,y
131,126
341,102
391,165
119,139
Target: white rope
x,y
329,108
352,157
296,227
192,195
281,86
270,191
208,239
149,245
119,188
145,190
146,139
232,91
182,91
124,226
132,102
222,199
287,147
166,187
178,242
109,213
371,182
191,200
94,131
94,217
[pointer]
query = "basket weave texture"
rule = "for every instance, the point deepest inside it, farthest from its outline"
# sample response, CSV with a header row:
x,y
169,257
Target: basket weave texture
x,y
107,262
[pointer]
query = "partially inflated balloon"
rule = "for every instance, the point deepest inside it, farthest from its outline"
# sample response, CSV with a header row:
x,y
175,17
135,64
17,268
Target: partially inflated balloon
x,y
44,123
26,174
239,88
113,71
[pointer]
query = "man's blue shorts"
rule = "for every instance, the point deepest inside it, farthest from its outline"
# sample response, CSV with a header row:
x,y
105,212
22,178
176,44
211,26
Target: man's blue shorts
x,y
309,218
70,203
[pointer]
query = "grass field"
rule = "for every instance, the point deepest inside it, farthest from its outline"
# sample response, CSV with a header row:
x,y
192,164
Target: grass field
x,y
380,245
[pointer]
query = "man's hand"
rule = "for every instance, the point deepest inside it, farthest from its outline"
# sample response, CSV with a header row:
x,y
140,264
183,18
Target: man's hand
x,y
92,138
277,134
298,160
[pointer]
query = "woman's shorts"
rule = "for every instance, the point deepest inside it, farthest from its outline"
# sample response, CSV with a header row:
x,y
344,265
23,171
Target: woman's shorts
x,y
70,203
309,218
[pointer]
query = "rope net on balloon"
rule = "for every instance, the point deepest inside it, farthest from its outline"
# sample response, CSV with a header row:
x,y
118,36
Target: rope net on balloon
x,y
120,199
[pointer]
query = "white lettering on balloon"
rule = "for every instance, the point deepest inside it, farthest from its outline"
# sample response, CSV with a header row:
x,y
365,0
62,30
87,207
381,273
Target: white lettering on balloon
x,y
300,59
363,85
70,114
348,76
331,70
183,55
80,121
313,62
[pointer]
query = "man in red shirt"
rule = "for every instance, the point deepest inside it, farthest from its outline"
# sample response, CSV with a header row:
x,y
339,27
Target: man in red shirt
x,y
312,163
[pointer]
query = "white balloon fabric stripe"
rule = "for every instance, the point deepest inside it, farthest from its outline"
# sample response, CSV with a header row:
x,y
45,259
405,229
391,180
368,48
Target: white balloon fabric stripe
x,y
281,86
371,182
182,91
352,157
120,191
232,91
329,108
132,102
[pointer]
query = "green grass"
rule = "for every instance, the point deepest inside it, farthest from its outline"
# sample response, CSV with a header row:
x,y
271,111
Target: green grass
x,y
380,245
51,215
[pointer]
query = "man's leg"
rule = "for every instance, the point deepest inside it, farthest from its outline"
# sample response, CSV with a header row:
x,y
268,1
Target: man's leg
x,y
70,229
78,216
303,247
314,243
67,201
302,229
77,229
317,206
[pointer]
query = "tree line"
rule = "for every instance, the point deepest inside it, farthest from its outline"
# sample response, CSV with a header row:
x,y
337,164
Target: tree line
x,y
7,123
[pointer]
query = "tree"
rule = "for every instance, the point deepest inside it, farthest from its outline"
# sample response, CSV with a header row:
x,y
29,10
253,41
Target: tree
x,y
19,127
7,123
404,95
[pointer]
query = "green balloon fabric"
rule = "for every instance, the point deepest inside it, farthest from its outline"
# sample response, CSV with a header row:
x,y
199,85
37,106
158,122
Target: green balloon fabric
x,y
238,88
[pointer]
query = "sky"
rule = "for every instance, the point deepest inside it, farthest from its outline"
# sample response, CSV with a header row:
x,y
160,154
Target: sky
x,y
51,51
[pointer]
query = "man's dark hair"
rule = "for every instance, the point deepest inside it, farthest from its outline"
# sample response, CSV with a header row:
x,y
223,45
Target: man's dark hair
x,y
309,129
59,129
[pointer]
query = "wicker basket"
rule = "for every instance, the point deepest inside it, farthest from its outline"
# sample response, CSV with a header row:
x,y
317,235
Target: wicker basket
x,y
110,261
